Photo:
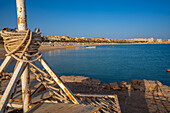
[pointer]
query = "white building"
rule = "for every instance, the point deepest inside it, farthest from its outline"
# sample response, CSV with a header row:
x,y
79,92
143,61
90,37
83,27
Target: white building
x,y
159,40
168,40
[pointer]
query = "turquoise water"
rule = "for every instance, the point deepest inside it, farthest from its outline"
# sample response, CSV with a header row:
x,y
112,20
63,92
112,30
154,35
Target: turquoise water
x,y
121,63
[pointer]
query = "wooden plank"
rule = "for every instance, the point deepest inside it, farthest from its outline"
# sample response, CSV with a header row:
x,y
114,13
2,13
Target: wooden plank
x,y
64,108
95,95
72,108
86,109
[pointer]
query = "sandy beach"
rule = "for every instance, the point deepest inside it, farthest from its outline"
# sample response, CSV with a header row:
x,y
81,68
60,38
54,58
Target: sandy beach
x,y
42,48
49,47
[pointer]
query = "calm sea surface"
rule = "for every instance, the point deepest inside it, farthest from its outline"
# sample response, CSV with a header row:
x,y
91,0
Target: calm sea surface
x,y
113,64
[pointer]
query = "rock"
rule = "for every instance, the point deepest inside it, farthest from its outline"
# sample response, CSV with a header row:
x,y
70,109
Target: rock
x,y
91,82
168,94
128,86
81,79
67,78
105,86
159,83
124,85
137,82
148,85
7,77
164,90
114,85
140,85
108,87
73,78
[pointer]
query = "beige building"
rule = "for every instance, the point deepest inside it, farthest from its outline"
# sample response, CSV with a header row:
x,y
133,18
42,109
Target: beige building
x,y
53,37
150,39
66,38
140,40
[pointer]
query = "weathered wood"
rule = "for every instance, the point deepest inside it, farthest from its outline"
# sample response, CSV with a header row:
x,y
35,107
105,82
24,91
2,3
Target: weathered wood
x,y
64,108
11,86
5,63
59,81
109,103
95,95
15,105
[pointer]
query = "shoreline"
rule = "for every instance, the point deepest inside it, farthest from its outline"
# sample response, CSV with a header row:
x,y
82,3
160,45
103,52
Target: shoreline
x,y
47,48
64,45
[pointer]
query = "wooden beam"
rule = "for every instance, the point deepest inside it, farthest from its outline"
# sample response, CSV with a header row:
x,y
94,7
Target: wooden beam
x,y
11,86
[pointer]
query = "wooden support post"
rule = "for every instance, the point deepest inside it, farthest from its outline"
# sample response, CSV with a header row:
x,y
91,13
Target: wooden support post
x,y
22,26
59,82
5,63
21,15
25,79
11,86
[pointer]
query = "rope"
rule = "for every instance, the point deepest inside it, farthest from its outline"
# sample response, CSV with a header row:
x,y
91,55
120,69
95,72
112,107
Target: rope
x,y
54,92
22,44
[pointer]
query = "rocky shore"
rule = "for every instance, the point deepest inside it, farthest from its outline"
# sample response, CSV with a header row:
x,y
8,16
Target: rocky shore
x,y
137,96
143,96
134,85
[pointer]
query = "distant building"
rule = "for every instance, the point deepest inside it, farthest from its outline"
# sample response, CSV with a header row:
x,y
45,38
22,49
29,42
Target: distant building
x,y
168,40
66,38
159,40
150,39
53,37
83,38
164,40
57,37
137,40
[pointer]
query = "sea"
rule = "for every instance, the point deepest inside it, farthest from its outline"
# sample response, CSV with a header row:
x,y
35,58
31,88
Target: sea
x,y
113,63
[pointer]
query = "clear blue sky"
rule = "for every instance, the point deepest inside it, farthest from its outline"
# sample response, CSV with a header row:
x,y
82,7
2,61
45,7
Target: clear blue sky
x,y
93,18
